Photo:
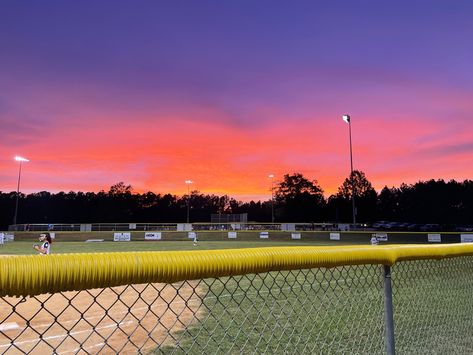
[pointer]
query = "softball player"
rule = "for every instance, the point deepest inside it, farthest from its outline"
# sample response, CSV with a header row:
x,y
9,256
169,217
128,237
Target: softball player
x,y
45,248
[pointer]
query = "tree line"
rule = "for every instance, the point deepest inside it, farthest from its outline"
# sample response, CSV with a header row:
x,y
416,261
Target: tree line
x,y
296,199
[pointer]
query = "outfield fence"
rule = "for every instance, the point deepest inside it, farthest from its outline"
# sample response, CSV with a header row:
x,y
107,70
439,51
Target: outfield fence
x,y
204,226
350,299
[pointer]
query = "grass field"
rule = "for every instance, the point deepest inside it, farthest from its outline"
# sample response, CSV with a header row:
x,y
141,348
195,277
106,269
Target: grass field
x,y
26,247
289,312
339,310
317,311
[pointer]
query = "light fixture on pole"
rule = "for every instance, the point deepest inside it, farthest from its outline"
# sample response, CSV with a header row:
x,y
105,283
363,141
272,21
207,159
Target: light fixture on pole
x,y
188,182
271,176
20,160
347,119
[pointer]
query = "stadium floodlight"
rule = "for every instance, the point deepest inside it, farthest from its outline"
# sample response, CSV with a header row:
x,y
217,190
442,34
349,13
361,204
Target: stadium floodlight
x,y
271,176
188,182
347,119
20,160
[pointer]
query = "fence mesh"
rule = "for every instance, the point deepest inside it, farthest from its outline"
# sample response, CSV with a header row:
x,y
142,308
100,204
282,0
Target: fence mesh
x,y
433,306
306,311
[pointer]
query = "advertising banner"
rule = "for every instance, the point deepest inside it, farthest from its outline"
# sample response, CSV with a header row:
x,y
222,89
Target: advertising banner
x,y
434,238
334,236
382,237
466,238
121,237
153,236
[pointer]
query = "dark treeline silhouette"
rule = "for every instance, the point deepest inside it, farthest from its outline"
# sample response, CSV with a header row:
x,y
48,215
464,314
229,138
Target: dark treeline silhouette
x,y
296,199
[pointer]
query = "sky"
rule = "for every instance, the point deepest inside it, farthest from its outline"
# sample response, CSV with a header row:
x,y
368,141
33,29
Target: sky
x,y
224,93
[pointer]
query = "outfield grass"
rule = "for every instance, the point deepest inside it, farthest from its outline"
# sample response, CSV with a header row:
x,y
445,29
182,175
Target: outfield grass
x,y
304,311
338,310
26,247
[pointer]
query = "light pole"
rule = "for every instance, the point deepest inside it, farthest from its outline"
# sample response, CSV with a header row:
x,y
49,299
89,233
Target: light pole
x,y
347,119
271,176
188,182
21,160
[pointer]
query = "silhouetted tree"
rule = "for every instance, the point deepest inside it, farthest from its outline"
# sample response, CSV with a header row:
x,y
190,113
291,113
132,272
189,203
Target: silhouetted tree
x,y
298,199
365,198
389,204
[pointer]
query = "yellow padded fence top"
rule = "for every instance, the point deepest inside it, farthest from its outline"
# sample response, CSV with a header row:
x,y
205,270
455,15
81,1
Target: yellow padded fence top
x,y
35,274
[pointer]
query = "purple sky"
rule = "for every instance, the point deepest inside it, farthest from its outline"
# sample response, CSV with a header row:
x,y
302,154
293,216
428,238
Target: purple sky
x,y
224,93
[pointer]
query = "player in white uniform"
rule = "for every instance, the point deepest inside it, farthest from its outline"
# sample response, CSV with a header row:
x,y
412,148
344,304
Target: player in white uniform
x,y
45,248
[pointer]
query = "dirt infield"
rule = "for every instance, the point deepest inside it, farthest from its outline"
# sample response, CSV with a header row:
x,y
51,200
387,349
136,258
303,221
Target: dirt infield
x,y
114,320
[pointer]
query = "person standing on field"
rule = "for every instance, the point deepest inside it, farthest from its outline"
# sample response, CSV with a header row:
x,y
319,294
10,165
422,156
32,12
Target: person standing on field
x,y
45,248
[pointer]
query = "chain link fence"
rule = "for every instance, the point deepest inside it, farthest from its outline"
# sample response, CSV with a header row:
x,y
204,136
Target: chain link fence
x,y
321,310
433,306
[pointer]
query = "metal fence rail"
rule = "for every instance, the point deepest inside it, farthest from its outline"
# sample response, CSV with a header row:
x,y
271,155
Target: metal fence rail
x,y
101,227
317,308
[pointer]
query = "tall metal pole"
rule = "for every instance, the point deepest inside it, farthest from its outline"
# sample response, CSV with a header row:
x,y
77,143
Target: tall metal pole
x,y
351,178
347,119
188,182
188,202
388,311
17,195
20,160
272,197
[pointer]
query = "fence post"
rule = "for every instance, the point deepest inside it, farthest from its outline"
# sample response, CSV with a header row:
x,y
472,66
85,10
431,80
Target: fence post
x,y
388,311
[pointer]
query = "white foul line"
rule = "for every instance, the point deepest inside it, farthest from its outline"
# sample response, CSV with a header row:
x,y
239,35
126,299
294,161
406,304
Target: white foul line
x,y
65,335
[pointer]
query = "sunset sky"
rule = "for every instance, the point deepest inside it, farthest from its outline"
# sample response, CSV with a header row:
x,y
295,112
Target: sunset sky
x,y
224,93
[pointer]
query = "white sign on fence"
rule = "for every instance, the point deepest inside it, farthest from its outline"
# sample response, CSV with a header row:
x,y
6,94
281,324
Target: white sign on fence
x,y
466,238
295,236
382,237
434,238
121,237
264,235
232,235
191,235
334,236
52,235
153,236
132,226
9,237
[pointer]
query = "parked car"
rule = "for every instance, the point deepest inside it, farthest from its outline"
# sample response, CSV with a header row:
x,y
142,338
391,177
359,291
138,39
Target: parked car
x,y
380,225
395,226
413,227
464,229
430,227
